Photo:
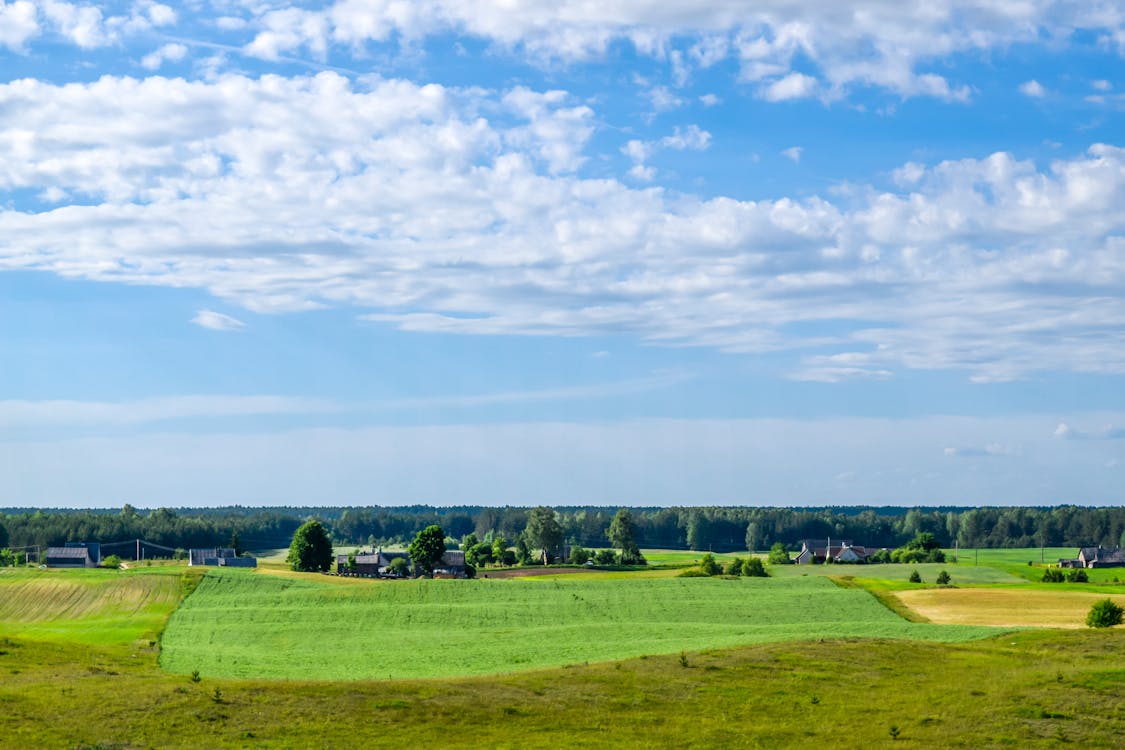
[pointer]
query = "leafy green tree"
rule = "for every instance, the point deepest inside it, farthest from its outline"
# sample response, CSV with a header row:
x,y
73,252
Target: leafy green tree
x,y
778,554
3,536
622,530
111,561
605,557
311,548
578,555
235,543
544,531
469,541
915,577
523,554
942,578
479,555
1104,614
399,567
734,567
427,549
709,565
753,536
753,568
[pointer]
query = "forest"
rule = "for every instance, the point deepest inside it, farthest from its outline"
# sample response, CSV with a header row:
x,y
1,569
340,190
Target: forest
x,y
720,529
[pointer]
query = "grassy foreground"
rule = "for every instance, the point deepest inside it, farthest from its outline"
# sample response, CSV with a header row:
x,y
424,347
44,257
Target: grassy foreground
x,y
243,624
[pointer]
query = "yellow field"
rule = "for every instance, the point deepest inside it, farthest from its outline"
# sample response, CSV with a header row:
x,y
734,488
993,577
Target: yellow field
x,y
1004,607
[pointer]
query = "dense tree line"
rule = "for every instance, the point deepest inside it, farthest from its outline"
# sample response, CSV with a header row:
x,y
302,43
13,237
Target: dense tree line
x,y
710,528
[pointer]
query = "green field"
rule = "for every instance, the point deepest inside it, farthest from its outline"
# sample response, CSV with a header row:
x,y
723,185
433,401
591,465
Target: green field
x,y
240,624
70,683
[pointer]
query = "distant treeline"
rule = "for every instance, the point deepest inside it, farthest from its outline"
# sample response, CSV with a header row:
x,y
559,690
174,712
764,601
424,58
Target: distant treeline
x,y
719,529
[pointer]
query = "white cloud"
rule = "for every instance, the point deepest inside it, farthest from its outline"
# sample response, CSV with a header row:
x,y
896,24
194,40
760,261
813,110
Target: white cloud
x,y
217,321
1102,85
1033,88
690,138
18,23
793,153
172,52
710,100
792,86
406,203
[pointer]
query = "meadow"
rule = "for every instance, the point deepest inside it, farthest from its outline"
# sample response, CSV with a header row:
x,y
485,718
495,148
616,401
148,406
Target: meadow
x,y
243,624
578,660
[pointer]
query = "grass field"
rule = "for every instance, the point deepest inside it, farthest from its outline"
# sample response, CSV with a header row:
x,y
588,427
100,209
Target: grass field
x,y
88,606
960,575
240,624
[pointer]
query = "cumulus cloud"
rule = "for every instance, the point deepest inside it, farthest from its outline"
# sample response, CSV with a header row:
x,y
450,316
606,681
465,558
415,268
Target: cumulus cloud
x,y
18,23
405,203
217,321
1033,89
173,52
691,138
792,86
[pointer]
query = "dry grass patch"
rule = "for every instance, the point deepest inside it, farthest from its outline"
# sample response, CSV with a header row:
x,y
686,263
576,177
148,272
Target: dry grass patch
x,y
1003,607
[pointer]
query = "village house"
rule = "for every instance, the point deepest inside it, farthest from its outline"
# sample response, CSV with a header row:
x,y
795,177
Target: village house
x,y
816,551
376,563
74,555
1101,557
221,556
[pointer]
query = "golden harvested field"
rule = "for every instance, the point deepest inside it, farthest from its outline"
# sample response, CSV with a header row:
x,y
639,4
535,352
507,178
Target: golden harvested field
x,y
1023,607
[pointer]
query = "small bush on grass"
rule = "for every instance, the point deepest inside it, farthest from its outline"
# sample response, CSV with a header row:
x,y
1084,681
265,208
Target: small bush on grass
x,y
753,568
915,577
733,567
942,578
113,561
1104,614
709,565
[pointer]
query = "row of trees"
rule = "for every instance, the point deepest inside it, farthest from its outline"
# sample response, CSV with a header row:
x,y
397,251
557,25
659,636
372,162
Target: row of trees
x,y
718,529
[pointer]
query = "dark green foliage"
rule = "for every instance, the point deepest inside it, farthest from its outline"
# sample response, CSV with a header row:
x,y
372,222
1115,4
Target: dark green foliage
x,y
605,557
1104,614
709,565
1077,575
479,554
778,554
915,577
578,555
942,578
733,567
311,548
924,547
895,731
621,534
543,532
523,553
3,536
1056,575
427,549
195,675
468,542
399,567
111,561
753,568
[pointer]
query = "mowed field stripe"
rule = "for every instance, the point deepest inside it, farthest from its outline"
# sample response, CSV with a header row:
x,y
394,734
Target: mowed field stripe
x,y
1001,607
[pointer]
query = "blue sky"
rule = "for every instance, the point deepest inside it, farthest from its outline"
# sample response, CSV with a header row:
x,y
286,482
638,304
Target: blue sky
x,y
480,252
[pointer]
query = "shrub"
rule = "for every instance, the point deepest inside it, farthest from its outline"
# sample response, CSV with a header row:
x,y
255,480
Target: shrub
x,y
753,567
942,578
605,557
1052,575
709,565
112,561
734,567
778,554
578,555
692,573
1104,614
1077,575
915,578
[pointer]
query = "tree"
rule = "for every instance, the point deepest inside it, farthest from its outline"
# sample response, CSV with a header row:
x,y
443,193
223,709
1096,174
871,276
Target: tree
x,y
468,542
427,549
604,557
311,548
399,567
622,530
734,567
942,578
1104,614
578,555
753,568
478,555
543,531
915,578
235,543
753,536
778,554
709,565
3,536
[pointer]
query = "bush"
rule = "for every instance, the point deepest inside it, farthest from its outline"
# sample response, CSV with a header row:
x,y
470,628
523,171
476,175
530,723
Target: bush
x,y
709,565
778,554
112,561
1052,575
915,578
942,578
1104,614
734,567
605,557
1077,575
691,573
578,555
753,567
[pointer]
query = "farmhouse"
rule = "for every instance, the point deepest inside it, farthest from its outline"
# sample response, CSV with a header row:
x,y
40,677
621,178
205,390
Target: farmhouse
x,y
816,551
452,565
74,555
375,563
224,556
1101,557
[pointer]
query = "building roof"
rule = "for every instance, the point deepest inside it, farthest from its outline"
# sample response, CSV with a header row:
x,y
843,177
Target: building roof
x,y
78,553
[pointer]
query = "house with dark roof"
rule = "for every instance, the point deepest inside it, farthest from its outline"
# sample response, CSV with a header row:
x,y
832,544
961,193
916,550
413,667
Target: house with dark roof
x,y
816,551
376,563
74,555
1101,557
220,556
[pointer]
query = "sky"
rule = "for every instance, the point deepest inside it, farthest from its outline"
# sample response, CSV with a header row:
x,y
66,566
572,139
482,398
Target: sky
x,y
494,252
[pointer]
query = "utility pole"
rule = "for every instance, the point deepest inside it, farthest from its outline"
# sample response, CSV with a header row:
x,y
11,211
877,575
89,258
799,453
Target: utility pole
x,y
138,555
